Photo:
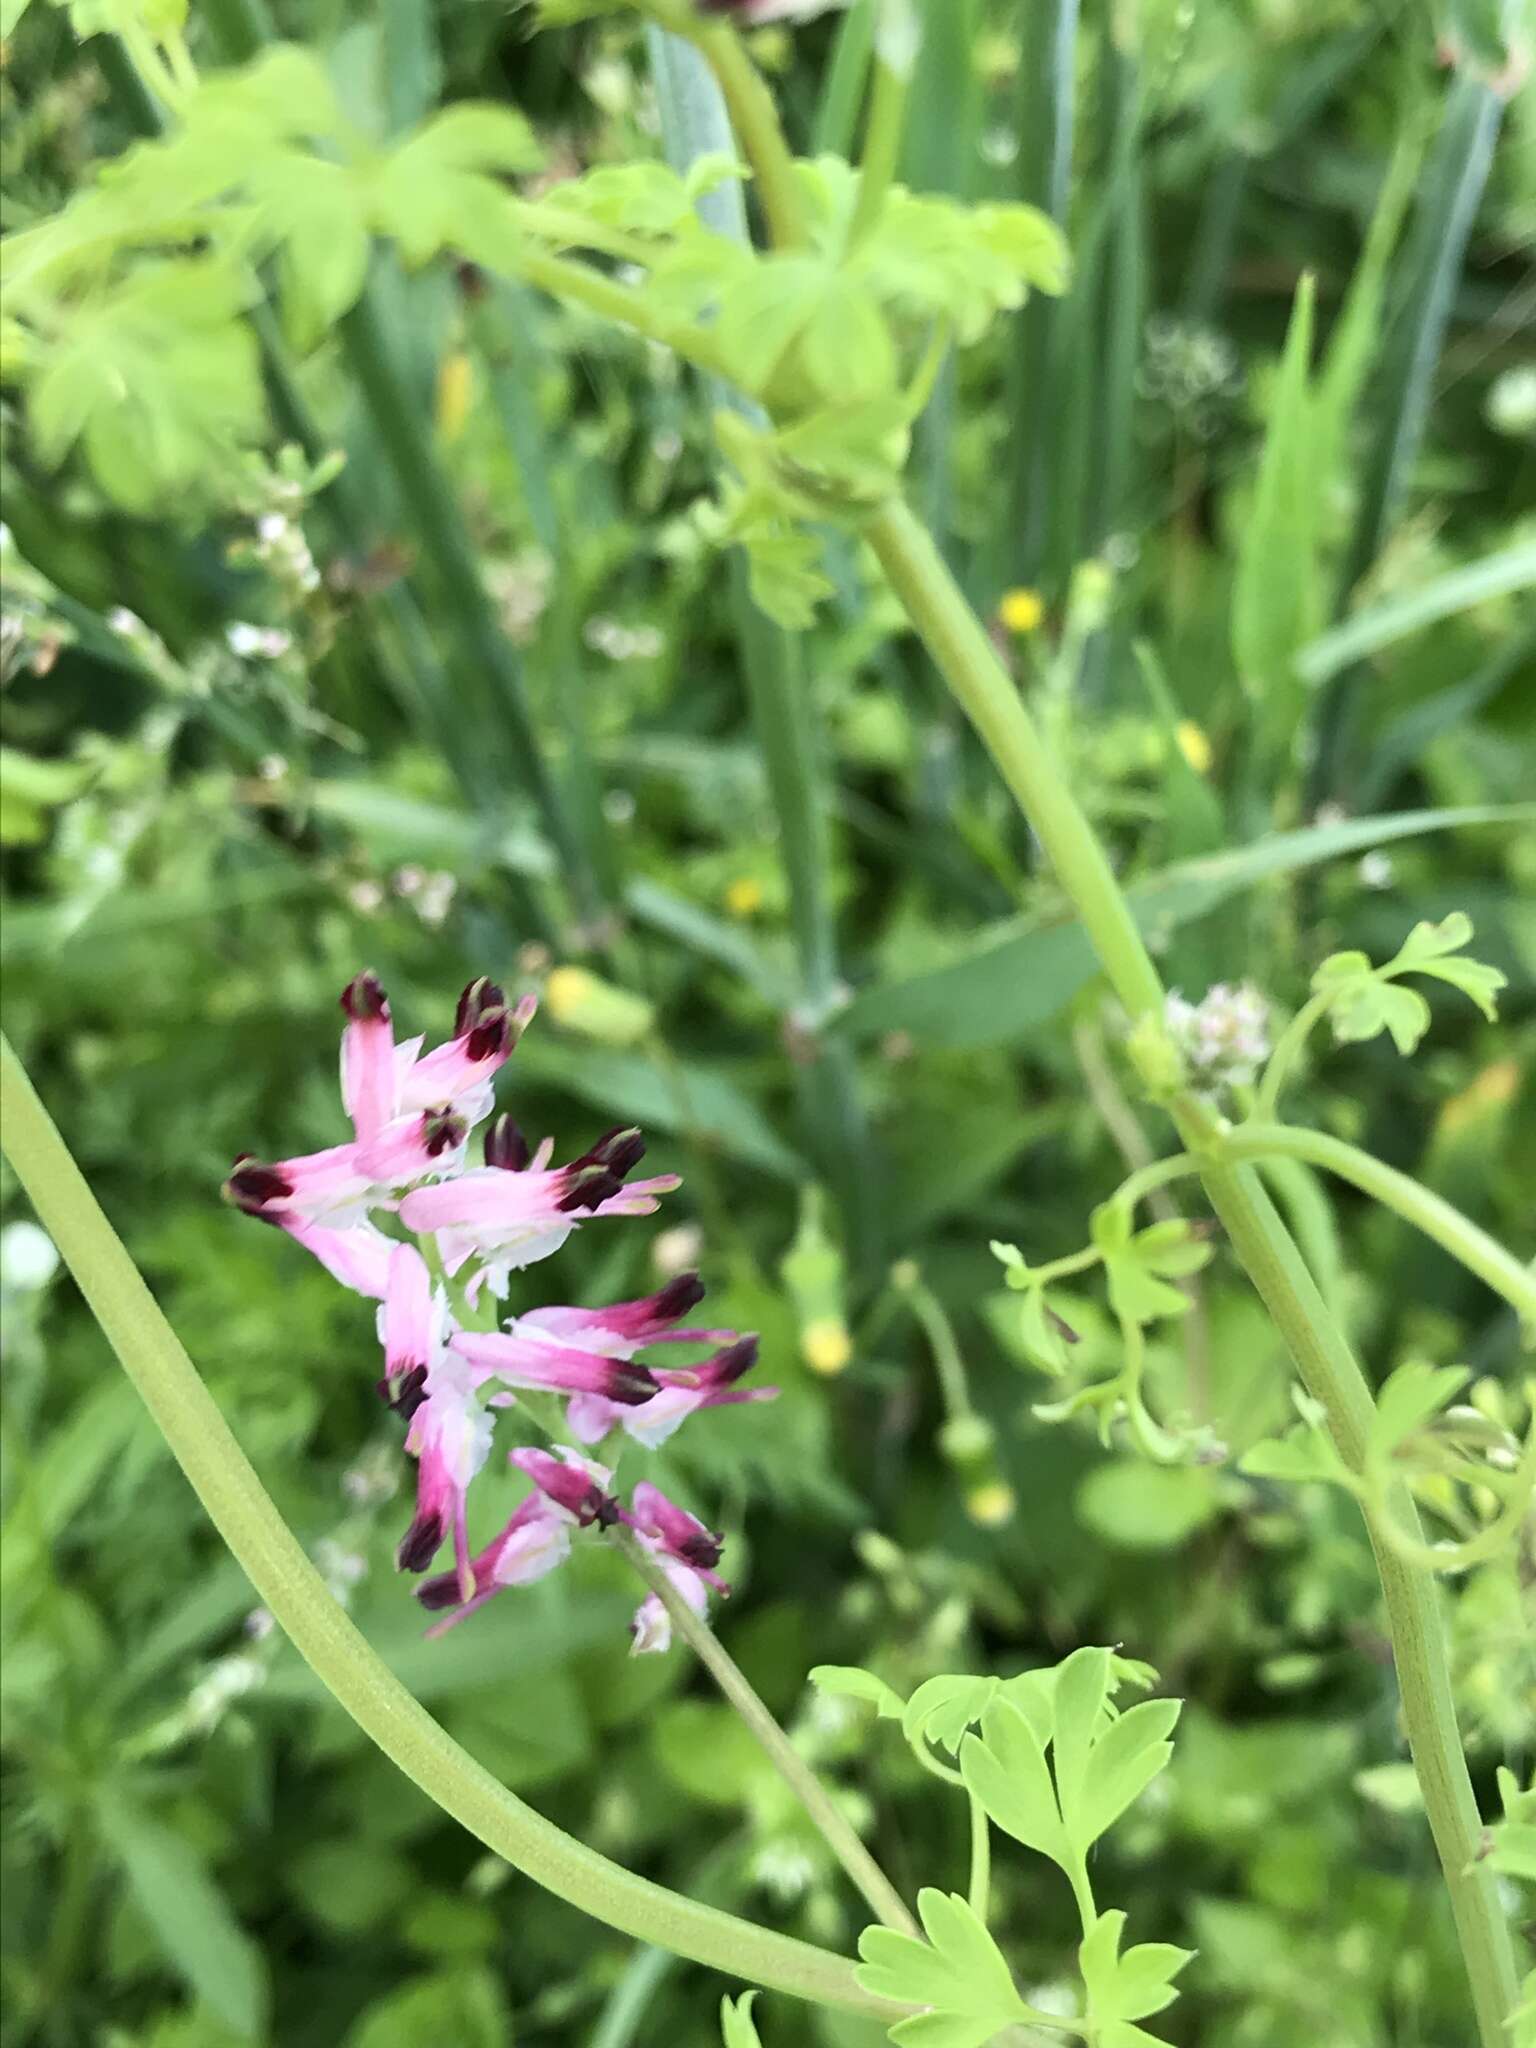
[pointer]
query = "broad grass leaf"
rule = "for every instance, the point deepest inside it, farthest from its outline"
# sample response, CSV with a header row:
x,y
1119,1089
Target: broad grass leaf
x,y
1275,597
1009,981
189,1914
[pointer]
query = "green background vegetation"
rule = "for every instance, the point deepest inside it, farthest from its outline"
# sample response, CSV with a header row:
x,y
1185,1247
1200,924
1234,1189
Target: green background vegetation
x,y
847,974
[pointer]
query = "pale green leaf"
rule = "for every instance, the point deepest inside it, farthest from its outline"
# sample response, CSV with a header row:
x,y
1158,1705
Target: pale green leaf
x,y
852,1683
958,1971
1123,1762
1005,1768
738,2029
943,1708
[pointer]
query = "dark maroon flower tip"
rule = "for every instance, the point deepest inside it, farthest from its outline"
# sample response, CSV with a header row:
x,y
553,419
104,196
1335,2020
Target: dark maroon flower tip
x,y
404,1391
701,1551
490,1037
442,1591
631,1385
506,1147
734,1362
481,995
677,1298
442,1131
363,999
607,1514
420,1543
619,1150
252,1186
587,1186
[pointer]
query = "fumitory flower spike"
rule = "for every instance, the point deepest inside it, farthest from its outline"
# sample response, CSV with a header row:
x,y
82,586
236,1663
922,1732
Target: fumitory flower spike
x,y
474,1226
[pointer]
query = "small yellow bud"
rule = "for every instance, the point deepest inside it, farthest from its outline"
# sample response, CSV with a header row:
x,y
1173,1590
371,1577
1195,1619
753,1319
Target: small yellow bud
x,y
744,896
826,1346
582,1002
1194,745
455,389
991,1505
1021,611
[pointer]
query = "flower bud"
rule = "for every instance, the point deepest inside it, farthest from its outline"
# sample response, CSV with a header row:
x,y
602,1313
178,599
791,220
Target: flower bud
x,y
582,1002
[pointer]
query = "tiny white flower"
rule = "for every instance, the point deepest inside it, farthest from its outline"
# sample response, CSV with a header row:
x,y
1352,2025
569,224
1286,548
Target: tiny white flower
x,y
28,1257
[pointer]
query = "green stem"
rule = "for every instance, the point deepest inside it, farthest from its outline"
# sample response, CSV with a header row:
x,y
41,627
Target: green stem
x,y
960,648
878,1891
958,642
1287,1051
947,1362
1148,1179
1466,1242
980,1888
1082,1891
756,123
1415,1626
882,141
340,1656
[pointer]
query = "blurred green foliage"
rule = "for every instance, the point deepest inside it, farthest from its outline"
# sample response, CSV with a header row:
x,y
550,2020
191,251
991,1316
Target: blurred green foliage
x,y
249,744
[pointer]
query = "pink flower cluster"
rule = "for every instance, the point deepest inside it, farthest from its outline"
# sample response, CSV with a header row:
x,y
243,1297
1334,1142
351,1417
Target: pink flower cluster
x,y
473,1227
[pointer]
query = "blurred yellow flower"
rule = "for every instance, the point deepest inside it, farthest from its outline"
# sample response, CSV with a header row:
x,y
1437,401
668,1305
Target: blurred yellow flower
x,y
455,388
825,1345
1021,610
991,1505
744,896
1194,745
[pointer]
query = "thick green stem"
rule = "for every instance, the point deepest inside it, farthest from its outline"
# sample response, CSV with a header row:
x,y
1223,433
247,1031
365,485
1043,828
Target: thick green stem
x,y
960,648
1331,1375
756,123
1466,1242
881,1895
957,640
882,137
340,1656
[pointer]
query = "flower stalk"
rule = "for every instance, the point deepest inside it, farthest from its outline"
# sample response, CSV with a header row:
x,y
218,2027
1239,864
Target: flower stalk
x,y
879,1893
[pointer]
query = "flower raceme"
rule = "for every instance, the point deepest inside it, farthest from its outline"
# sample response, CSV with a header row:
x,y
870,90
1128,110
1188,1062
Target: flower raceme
x,y
469,1229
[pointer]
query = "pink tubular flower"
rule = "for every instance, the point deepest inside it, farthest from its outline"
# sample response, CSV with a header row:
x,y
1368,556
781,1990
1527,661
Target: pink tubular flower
x,y
625,1327
570,1493
540,1365
533,1543
411,1116
574,1484
450,1437
518,1209
681,1392
413,1323
686,1551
